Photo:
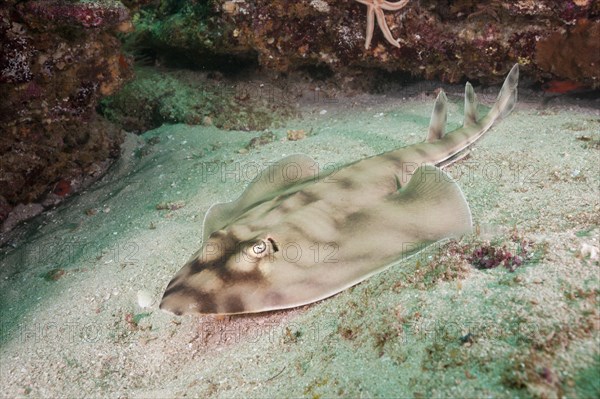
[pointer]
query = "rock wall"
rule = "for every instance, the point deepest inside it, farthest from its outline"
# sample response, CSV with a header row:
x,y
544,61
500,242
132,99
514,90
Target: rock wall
x,y
451,40
57,59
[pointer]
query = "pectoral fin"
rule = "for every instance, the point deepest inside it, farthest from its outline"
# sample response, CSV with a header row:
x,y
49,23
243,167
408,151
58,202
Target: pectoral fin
x,y
291,171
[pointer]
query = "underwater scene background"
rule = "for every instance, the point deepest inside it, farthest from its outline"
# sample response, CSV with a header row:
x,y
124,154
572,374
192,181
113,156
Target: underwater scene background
x,y
123,122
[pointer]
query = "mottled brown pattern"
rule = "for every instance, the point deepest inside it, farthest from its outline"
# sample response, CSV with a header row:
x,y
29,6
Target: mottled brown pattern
x,y
280,247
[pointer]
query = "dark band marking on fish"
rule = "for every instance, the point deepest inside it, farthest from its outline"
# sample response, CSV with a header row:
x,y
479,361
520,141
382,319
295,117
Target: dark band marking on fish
x,y
285,243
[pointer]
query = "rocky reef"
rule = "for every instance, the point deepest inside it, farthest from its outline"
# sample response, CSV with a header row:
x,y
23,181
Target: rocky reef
x,y
453,40
57,60
160,95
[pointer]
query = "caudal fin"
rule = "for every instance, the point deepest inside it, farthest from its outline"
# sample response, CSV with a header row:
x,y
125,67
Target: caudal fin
x,y
457,141
507,98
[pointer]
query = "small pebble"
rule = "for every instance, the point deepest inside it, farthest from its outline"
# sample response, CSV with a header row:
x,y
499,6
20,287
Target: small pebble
x,y
144,299
590,251
295,135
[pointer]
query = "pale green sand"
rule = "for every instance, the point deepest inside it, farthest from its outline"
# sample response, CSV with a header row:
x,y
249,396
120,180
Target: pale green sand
x,y
72,280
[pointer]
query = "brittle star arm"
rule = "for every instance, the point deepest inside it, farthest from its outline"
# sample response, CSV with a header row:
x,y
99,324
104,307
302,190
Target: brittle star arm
x,y
375,8
386,5
370,25
384,28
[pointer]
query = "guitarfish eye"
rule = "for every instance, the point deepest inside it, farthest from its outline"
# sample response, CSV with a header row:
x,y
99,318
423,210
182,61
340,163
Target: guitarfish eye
x,y
259,248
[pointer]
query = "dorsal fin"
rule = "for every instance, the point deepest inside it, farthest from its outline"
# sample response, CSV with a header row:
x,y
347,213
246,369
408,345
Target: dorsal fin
x,y
437,126
470,106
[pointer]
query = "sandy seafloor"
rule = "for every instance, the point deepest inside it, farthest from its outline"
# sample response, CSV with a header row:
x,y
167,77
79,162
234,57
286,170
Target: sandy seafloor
x,y
69,278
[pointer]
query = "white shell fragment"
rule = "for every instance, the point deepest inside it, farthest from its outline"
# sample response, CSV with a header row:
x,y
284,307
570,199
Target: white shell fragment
x,y
144,299
590,251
